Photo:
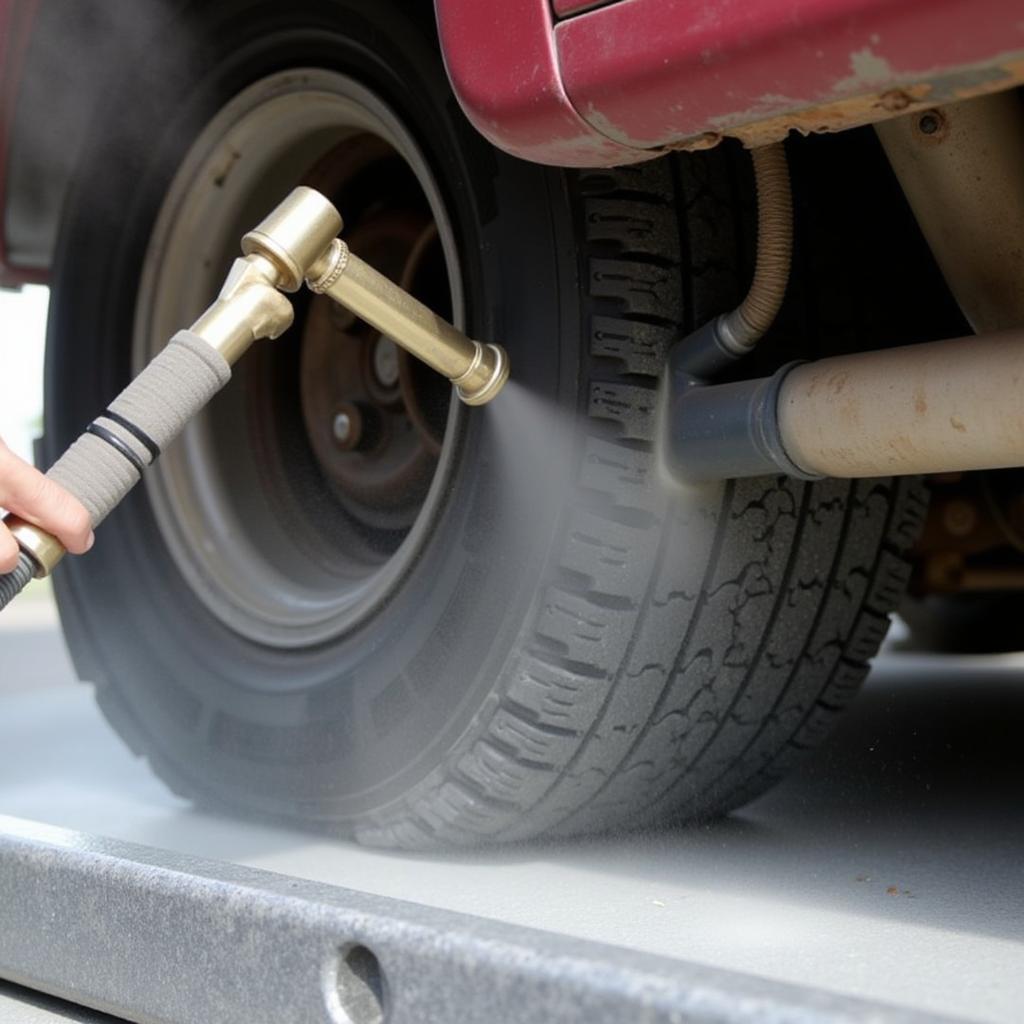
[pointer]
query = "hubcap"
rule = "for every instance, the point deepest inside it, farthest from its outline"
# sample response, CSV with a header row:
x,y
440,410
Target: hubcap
x,y
298,501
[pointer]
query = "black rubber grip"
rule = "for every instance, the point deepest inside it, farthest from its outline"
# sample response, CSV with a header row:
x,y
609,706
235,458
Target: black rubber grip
x,y
117,444
137,432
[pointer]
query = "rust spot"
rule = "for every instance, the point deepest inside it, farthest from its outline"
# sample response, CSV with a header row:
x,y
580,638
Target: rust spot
x,y
837,381
892,890
894,101
854,102
230,160
706,140
901,448
958,424
920,402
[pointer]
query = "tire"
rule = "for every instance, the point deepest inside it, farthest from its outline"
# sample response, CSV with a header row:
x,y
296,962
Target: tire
x,y
573,647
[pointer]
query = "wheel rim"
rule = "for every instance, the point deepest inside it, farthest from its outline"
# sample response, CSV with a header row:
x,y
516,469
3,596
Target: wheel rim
x,y
288,530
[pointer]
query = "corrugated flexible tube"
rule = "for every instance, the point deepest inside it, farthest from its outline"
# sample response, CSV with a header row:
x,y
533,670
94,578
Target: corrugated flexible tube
x,y
732,335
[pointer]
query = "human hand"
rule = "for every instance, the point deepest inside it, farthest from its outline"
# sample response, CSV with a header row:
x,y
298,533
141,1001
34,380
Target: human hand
x,y
38,500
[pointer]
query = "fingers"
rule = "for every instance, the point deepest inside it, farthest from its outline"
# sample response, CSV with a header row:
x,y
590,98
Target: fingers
x,y
9,551
38,500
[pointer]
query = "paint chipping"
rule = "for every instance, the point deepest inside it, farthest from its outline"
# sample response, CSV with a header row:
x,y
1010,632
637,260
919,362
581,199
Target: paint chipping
x,y
773,116
867,68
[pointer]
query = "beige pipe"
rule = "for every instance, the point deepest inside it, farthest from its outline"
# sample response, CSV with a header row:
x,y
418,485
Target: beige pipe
x,y
942,407
961,167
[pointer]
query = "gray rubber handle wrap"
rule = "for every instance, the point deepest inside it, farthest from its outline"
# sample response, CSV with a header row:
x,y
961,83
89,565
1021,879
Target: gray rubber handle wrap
x,y
159,402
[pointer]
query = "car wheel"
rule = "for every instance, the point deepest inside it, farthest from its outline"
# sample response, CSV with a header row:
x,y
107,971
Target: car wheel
x,y
457,625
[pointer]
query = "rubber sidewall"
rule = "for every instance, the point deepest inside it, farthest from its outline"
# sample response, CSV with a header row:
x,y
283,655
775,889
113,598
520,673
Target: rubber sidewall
x,y
332,731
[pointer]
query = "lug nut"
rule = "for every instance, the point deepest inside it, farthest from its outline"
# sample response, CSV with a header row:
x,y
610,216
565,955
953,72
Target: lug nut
x,y
348,426
357,427
385,362
342,427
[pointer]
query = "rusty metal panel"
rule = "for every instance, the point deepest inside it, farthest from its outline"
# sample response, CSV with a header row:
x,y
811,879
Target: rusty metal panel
x,y
656,73
628,79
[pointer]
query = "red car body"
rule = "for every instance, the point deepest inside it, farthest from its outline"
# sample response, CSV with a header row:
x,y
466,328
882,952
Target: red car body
x,y
631,78
578,83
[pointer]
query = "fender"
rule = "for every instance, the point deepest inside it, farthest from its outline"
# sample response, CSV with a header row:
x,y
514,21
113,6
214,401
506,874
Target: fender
x,y
630,79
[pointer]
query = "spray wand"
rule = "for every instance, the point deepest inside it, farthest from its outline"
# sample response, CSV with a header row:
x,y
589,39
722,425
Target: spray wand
x,y
297,242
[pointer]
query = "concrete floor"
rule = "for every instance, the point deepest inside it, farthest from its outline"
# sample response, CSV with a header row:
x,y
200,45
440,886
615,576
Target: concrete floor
x,y
22,1006
891,868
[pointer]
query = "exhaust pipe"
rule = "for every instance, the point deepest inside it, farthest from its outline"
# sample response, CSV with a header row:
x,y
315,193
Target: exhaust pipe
x,y
297,242
941,407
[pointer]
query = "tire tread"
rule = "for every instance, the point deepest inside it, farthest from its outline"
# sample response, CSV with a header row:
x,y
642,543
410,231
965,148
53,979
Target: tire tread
x,y
604,720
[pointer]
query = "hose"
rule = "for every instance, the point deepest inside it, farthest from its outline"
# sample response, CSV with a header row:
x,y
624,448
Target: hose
x,y
711,348
14,582
144,419
747,324
108,460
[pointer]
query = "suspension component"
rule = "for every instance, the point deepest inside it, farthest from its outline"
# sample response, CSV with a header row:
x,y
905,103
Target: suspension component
x,y
961,167
297,242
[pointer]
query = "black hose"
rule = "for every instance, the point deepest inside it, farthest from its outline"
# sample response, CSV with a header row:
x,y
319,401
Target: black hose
x,y
13,583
